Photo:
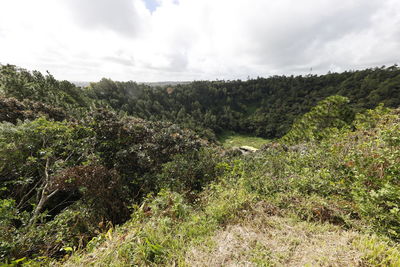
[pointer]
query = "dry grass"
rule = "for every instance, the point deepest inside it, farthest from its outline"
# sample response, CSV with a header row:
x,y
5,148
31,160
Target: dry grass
x,y
277,241
259,237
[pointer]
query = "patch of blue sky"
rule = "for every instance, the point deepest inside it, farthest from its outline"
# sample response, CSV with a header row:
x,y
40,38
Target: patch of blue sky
x,y
151,4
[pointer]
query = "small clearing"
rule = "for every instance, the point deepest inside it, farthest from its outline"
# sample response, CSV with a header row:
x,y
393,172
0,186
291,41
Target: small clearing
x,y
231,139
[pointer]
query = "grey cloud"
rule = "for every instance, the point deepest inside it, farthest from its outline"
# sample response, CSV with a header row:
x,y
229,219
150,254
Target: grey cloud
x,y
117,15
121,60
176,62
207,39
301,39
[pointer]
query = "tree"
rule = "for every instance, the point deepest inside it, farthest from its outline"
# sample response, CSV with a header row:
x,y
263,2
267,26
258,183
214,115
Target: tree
x,y
32,152
329,115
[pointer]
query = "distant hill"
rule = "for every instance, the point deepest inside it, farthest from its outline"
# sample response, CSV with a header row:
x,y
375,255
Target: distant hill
x,y
167,83
80,83
153,84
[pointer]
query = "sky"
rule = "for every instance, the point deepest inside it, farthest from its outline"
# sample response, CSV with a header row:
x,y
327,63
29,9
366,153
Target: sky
x,y
183,40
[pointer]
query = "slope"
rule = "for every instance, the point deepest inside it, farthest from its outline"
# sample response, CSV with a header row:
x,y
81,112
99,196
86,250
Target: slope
x,y
333,202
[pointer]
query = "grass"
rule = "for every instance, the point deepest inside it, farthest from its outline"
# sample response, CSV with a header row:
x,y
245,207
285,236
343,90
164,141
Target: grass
x,y
263,240
231,139
238,232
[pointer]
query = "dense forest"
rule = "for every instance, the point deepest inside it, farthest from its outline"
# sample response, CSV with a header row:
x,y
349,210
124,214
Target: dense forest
x,y
264,107
76,162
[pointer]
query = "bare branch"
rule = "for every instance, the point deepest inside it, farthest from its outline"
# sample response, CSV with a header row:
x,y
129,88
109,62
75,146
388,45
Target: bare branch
x,y
44,196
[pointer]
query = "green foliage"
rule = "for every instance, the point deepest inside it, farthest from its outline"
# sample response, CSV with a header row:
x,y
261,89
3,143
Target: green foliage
x,y
104,163
260,107
70,171
335,181
73,227
136,149
189,172
350,175
377,252
29,150
12,110
9,215
118,95
164,227
373,161
22,84
31,153
325,119
99,188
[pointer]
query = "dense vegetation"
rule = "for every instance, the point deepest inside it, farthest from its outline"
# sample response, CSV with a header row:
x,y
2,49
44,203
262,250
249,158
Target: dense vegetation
x,y
75,162
264,107
346,188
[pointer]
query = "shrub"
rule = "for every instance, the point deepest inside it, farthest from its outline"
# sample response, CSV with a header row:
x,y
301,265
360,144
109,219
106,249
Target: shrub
x,y
322,121
137,148
100,188
189,172
72,228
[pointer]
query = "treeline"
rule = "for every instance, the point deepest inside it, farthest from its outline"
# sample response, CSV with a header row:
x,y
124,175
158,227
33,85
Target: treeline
x,y
265,107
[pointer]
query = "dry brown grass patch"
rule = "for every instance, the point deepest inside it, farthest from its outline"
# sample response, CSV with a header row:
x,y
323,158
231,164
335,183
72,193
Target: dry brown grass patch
x,y
265,240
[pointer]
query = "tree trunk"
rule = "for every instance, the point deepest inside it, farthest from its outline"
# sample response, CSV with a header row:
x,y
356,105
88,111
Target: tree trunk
x,y
44,195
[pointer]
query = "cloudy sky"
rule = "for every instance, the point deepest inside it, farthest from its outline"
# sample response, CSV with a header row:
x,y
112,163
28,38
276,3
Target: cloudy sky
x,y
164,40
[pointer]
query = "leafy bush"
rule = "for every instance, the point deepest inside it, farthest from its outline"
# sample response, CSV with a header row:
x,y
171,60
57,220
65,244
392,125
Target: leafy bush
x,y
12,110
31,152
374,162
378,252
72,228
347,177
23,84
136,149
330,115
99,188
10,219
189,172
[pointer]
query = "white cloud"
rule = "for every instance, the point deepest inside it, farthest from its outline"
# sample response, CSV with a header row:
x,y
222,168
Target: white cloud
x,y
191,39
116,15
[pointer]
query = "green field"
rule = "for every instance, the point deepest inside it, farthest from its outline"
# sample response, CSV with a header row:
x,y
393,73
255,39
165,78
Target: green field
x,y
231,139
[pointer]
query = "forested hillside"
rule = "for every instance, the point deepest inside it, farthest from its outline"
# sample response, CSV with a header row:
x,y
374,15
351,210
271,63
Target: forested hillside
x,y
263,107
120,173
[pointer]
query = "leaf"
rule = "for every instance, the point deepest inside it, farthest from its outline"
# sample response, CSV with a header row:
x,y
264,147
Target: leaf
x,y
19,260
109,233
67,249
